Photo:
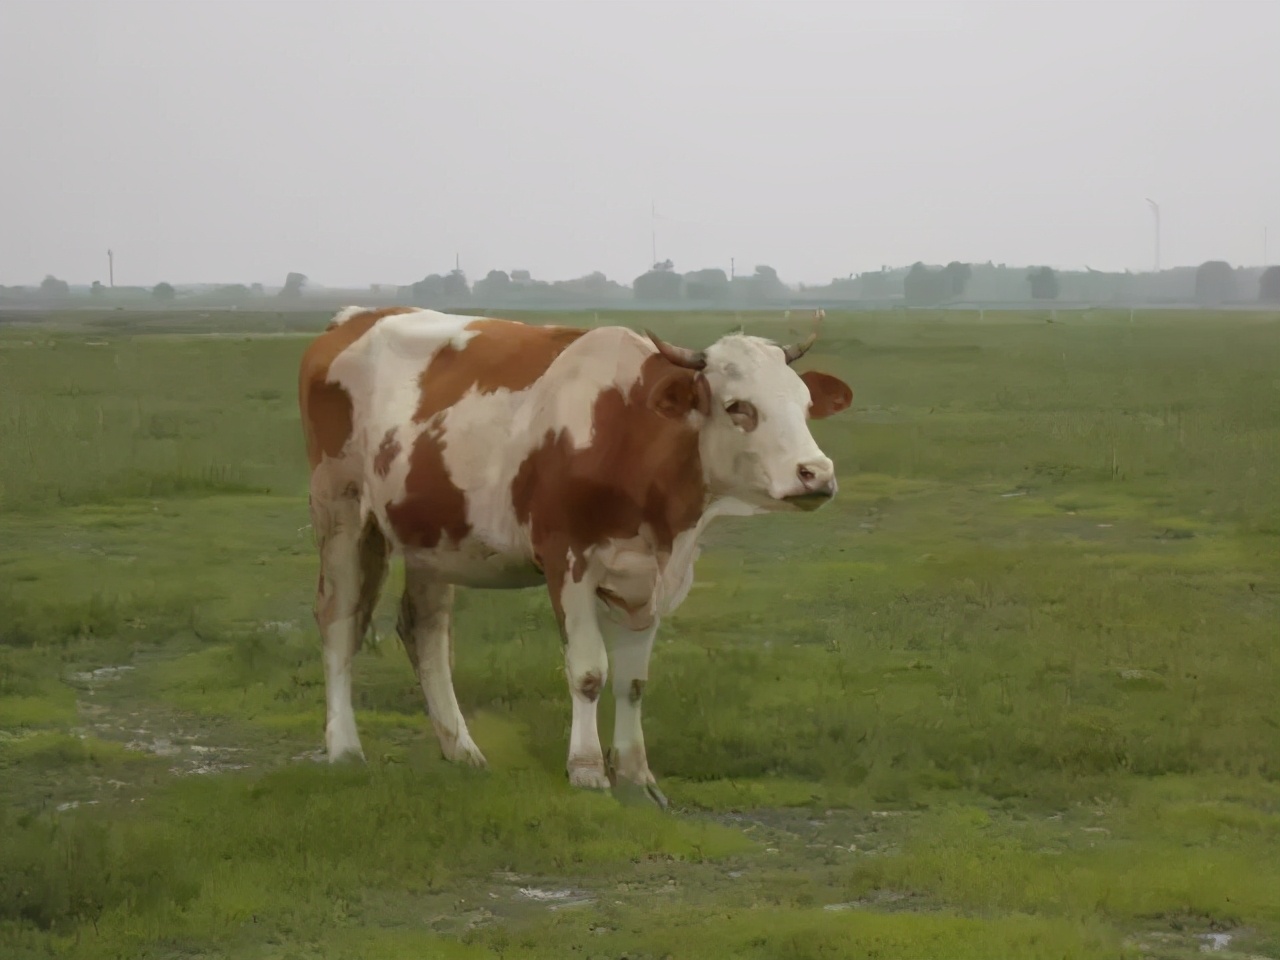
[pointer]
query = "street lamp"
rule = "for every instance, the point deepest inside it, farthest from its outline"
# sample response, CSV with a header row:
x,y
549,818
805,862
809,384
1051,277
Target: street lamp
x,y
1155,208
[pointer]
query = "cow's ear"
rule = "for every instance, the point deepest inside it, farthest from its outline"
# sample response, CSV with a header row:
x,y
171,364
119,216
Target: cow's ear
x,y
680,392
827,394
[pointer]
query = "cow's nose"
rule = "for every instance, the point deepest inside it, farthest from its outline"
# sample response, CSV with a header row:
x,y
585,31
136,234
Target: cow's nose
x,y
818,476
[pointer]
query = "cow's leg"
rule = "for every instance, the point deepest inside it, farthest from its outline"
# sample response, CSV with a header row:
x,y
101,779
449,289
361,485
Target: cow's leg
x,y
586,669
353,567
630,650
426,630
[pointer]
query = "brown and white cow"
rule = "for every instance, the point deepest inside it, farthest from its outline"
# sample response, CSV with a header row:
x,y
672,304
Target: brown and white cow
x,y
495,454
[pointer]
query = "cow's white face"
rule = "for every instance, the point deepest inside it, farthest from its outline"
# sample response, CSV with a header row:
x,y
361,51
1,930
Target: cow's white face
x,y
755,440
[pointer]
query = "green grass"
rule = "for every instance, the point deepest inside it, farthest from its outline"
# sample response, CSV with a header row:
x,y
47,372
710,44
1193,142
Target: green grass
x,y
1013,694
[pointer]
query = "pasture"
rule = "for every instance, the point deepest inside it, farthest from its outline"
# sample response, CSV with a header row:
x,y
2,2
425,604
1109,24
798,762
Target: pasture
x,y
1013,694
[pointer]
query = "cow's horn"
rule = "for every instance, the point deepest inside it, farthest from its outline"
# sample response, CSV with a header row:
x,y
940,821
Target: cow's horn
x,y
680,356
794,351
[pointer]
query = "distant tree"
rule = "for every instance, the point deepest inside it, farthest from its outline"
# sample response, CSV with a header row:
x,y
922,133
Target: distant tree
x,y
659,283
1215,282
455,286
594,286
51,286
1269,288
163,292
96,289
873,282
922,287
426,291
440,290
917,290
959,275
766,285
594,282
233,293
1044,284
496,285
521,276
256,290
293,284
712,284
761,287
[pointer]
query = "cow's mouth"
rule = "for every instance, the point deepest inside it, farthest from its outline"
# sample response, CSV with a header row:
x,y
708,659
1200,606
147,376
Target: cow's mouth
x,y
808,502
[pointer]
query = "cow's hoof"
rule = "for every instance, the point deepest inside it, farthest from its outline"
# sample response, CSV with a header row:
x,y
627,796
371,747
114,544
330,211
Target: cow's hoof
x,y
465,751
591,777
352,756
657,796
630,793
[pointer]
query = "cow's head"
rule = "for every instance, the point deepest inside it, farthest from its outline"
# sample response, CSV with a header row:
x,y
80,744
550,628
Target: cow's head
x,y
755,441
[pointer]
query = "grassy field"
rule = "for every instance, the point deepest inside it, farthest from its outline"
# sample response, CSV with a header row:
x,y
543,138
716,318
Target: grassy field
x,y
1015,694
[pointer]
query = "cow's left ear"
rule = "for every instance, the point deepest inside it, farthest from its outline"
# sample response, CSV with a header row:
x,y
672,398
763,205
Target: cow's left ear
x,y
827,394
679,392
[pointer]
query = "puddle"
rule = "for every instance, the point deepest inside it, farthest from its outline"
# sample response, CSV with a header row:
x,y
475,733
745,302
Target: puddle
x,y
139,734
101,675
556,899
533,893
1214,942
197,759
72,804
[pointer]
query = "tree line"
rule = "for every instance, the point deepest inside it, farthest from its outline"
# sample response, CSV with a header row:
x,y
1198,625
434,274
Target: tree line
x,y
1212,283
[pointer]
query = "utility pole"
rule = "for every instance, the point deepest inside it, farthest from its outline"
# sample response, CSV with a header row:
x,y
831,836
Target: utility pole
x,y
111,268
1155,208
1264,247
732,269
457,262
653,230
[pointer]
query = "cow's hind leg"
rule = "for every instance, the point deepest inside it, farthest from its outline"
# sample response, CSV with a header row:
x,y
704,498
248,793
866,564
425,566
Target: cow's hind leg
x,y
426,630
353,567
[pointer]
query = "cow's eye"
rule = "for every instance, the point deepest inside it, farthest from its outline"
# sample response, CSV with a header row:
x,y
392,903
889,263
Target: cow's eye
x,y
743,414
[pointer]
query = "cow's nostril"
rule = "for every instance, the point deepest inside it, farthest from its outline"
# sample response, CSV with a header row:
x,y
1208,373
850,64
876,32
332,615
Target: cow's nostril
x,y
806,474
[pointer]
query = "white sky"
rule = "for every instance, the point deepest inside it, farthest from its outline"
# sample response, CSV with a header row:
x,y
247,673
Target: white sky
x,y
365,142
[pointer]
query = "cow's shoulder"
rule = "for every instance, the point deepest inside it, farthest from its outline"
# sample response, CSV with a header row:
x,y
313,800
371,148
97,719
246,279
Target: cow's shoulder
x,y
634,474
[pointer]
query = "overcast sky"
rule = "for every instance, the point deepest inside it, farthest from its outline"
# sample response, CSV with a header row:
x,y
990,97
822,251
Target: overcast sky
x,y
369,142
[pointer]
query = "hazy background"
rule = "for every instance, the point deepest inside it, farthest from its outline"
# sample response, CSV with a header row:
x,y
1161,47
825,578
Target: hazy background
x,y
368,142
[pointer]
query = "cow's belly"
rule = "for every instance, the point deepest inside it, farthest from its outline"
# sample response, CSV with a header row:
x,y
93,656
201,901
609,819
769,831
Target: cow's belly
x,y
475,564
491,553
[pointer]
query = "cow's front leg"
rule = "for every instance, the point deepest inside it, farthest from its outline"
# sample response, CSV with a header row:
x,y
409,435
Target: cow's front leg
x,y
630,651
586,669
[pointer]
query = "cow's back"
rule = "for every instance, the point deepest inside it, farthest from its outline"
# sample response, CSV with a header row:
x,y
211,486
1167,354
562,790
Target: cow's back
x,y
411,363
412,410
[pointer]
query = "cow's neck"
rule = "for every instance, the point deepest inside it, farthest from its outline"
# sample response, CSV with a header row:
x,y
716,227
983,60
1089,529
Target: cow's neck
x,y
685,549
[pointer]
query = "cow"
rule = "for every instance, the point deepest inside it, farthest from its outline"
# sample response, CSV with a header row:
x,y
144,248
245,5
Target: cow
x,y
494,454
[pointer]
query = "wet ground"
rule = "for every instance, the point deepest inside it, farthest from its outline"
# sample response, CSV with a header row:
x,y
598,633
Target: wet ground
x,y
799,856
